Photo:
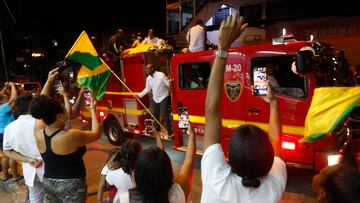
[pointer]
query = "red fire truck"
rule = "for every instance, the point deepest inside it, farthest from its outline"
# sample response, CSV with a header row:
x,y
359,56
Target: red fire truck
x,y
122,115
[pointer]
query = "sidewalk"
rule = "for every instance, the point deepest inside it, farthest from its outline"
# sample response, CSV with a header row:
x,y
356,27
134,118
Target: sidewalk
x,y
13,191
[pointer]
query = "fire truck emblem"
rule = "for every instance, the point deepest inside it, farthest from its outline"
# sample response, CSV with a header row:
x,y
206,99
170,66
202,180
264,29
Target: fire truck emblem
x,y
233,90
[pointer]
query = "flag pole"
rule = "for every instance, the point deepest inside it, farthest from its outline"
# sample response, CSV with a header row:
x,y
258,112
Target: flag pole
x,y
137,98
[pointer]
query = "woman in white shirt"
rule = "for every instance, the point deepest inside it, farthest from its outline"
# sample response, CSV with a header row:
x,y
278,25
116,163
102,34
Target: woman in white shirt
x,y
154,176
255,172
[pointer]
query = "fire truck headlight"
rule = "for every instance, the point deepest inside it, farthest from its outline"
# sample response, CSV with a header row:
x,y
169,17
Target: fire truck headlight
x,y
288,145
333,159
101,113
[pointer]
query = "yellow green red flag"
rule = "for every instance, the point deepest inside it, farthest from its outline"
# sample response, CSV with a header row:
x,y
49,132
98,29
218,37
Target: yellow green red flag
x,y
138,49
329,106
94,73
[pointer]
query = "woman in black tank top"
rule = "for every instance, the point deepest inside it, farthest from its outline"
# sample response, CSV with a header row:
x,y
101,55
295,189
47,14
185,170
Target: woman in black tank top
x,y
61,150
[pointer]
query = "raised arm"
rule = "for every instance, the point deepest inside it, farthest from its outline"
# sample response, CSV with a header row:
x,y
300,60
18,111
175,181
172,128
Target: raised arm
x,y
84,137
13,94
229,31
184,179
75,109
50,81
274,121
67,104
3,90
159,141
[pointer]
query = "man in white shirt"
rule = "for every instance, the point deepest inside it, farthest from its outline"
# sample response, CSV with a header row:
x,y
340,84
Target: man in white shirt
x,y
159,84
255,173
20,145
150,39
196,36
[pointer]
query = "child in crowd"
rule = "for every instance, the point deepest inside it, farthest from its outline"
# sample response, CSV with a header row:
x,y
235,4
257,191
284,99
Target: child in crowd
x,y
337,183
113,163
153,174
122,178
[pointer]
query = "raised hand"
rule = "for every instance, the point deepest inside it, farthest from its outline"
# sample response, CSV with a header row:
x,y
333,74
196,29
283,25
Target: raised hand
x,y
53,74
230,30
270,97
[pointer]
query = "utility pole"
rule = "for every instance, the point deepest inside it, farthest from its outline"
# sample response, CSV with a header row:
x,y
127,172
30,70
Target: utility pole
x,y
3,58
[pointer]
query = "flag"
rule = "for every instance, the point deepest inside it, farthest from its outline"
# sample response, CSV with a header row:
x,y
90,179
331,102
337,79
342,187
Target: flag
x,y
329,107
94,73
138,49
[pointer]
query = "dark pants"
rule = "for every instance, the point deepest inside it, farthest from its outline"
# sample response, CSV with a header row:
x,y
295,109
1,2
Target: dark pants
x,y
1,140
161,108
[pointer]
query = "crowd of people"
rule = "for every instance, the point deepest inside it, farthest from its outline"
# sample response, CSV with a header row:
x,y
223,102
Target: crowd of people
x,y
51,151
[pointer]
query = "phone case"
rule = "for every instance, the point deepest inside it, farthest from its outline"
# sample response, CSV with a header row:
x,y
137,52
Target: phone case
x,y
183,118
87,97
149,124
260,81
57,85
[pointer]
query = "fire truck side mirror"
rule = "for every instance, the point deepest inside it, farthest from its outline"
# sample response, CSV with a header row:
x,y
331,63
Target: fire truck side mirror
x,y
304,61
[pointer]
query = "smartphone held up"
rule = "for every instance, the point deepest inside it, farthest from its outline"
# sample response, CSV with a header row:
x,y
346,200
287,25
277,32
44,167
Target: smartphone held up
x,y
57,85
87,98
183,118
260,81
149,124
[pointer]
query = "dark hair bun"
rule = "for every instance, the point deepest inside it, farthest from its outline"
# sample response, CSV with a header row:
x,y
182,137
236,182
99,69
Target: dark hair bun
x,y
250,182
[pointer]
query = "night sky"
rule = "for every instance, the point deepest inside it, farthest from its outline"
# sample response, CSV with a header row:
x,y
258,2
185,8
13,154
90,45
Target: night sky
x,y
93,15
65,19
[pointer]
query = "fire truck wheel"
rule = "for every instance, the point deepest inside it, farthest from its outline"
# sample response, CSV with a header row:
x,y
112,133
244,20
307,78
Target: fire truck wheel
x,y
114,132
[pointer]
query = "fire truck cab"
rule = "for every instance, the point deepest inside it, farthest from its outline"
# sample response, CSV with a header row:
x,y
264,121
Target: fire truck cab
x,y
239,105
121,114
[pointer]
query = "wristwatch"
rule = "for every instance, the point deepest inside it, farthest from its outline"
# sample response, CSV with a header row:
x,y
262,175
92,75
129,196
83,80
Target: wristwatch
x,y
221,54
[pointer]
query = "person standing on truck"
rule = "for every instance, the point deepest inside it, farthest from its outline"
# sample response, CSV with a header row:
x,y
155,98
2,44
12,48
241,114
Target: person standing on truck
x,y
137,41
150,39
117,42
159,84
252,175
116,46
196,37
